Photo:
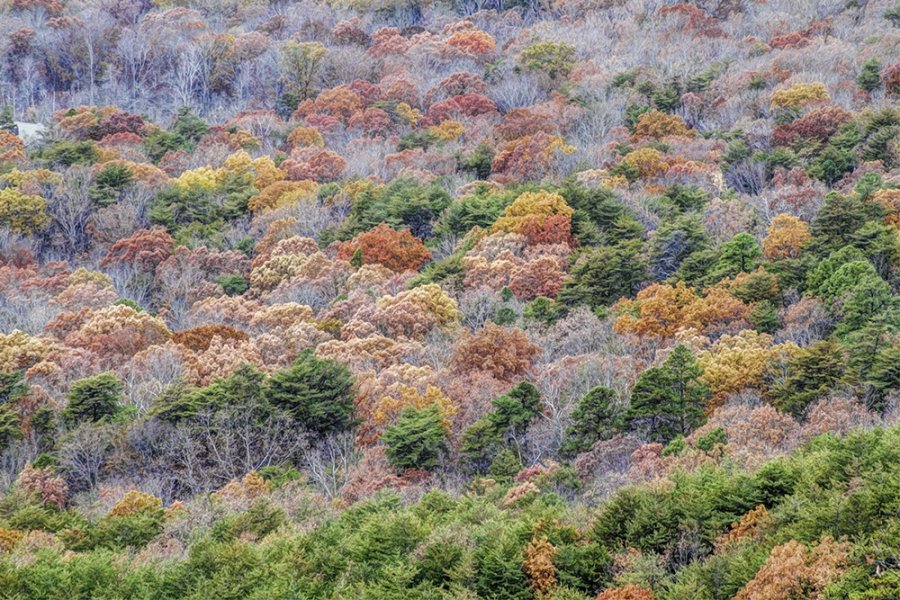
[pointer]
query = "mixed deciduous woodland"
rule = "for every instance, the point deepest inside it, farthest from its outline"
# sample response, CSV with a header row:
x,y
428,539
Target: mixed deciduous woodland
x,y
450,299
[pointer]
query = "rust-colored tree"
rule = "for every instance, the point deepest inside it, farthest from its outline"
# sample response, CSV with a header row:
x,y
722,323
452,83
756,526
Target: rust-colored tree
x,y
505,353
397,250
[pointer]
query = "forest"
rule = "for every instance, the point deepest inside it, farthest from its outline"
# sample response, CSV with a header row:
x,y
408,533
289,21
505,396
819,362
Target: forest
x,y
450,299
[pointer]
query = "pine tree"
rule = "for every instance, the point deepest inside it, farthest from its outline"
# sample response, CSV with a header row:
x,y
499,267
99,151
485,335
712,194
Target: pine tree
x,y
738,255
504,427
7,122
603,275
836,222
869,77
416,440
12,386
94,398
811,373
9,426
318,393
595,417
669,400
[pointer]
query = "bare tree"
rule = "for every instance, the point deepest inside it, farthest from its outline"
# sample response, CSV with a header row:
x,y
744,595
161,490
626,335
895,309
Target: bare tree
x,y
83,453
70,206
327,463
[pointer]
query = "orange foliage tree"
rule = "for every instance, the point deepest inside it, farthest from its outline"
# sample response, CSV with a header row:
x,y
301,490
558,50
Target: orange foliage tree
x,y
795,571
663,310
785,237
397,250
628,592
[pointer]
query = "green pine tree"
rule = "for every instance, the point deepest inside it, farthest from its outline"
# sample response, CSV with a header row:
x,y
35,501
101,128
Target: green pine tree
x,y
595,417
94,398
416,440
318,393
669,400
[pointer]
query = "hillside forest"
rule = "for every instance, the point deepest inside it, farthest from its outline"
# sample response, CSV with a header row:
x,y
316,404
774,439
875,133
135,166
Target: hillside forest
x,y
450,299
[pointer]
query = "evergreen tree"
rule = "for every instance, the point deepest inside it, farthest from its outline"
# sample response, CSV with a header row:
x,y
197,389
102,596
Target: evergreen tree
x,y
12,386
504,427
812,371
595,417
318,393
94,398
603,275
9,426
416,440
738,255
669,400
7,122
884,376
869,77
836,222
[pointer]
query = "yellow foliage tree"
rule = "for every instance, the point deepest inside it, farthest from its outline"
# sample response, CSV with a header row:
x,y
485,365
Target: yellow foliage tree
x,y
431,298
389,407
735,362
663,310
657,124
306,137
647,161
800,95
530,206
135,502
22,213
205,178
448,131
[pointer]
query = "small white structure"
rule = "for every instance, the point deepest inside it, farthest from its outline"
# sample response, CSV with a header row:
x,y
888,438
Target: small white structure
x,y
31,132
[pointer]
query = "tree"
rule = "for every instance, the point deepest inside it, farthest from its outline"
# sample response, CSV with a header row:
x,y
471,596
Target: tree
x,y
22,213
555,59
628,592
738,255
10,429
792,571
785,237
396,250
836,222
657,124
12,386
94,398
505,353
869,77
669,400
596,417
884,375
504,427
300,63
892,15
318,393
600,276
529,207
7,122
811,372
416,440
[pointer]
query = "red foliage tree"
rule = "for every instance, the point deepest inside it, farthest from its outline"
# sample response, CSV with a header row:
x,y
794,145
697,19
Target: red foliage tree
x,y
321,167
520,122
466,105
819,124
143,251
